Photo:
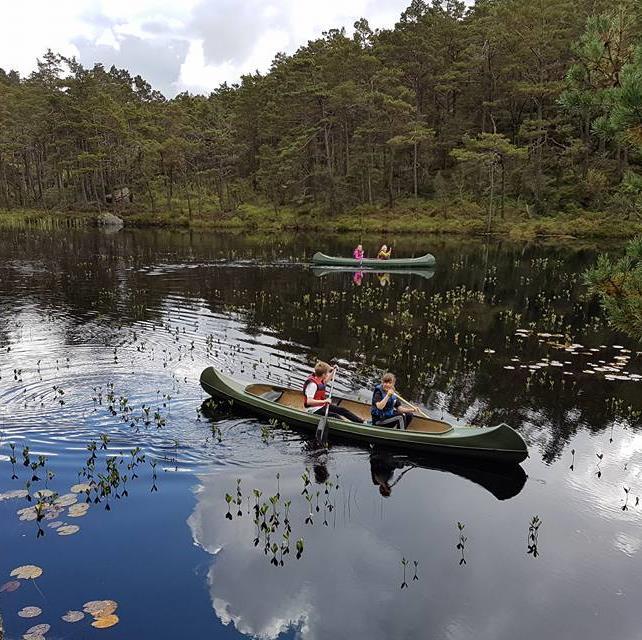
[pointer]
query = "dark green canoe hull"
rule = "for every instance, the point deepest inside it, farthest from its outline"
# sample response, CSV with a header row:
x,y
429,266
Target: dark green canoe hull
x,y
500,443
422,262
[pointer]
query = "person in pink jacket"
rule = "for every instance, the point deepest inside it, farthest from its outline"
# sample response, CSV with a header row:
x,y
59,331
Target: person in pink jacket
x,y
358,254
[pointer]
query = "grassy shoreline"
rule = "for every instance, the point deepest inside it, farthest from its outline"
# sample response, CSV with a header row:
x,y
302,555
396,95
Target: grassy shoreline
x,y
404,218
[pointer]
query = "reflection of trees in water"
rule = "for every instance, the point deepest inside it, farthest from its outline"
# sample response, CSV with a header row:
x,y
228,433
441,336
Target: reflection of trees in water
x,y
433,333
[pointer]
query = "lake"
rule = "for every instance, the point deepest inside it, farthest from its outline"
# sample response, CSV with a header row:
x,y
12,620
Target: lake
x,y
149,510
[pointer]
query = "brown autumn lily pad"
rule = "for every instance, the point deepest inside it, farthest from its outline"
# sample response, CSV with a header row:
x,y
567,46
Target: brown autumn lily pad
x,y
38,630
27,514
26,572
68,530
44,493
80,488
10,586
104,622
73,616
55,524
100,608
29,612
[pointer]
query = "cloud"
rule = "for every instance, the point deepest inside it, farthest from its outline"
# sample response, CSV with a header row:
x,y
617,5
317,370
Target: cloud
x,y
192,44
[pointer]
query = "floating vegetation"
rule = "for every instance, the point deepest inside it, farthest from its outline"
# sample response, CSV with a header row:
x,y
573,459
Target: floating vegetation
x,y
461,544
533,536
27,572
29,612
73,616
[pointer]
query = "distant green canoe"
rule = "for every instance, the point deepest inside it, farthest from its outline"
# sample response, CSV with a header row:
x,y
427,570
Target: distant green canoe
x,y
421,262
500,443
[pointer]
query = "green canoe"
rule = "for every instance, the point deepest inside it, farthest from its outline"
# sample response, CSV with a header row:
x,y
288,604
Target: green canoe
x,y
500,443
421,262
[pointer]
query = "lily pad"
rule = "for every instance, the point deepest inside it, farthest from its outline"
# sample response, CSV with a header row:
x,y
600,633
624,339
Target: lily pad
x,y
55,524
66,500
73,616
44,493
100,608
105,622
68,530
38,630
10,586
27,514
29,612
26,572
80,488
11,495
78,510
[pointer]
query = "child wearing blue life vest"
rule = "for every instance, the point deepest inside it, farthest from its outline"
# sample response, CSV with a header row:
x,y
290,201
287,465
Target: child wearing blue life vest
x,y
386,407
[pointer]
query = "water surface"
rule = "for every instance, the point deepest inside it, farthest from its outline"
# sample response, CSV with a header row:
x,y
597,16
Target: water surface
x,y
103,338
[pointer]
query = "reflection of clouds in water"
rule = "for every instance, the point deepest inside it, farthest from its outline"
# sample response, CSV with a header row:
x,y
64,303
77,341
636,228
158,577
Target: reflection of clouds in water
x,y
346,585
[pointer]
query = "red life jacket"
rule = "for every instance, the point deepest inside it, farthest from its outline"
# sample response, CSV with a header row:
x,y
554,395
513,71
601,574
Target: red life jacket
x,y
320,392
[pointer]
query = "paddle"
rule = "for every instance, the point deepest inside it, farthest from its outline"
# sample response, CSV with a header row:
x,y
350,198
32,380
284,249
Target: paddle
x,y
417,409
322,427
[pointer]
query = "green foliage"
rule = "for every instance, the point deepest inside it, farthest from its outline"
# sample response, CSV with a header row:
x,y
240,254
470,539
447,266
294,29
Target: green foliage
x,y
618,283
536,103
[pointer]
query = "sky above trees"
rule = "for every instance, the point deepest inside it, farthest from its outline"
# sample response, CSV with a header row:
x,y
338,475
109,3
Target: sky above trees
x,y
192,45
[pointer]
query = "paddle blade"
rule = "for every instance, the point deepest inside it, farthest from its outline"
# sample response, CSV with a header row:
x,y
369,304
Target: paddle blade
x,y
322,431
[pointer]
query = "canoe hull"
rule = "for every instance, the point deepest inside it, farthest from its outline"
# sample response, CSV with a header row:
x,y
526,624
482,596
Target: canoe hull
x,y
422,262
500,443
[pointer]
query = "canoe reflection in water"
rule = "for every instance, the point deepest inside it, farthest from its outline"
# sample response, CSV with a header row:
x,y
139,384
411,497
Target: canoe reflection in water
x,y
387,470
502,481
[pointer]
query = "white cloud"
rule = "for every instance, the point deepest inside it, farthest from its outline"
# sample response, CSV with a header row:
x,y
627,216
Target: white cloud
x,y
219,39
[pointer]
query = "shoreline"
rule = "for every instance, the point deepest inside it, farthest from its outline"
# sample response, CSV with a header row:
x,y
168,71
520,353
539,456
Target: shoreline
x,y
405,221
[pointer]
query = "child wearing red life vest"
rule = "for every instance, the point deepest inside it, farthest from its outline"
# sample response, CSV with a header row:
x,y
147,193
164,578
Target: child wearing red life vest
x,y
316,397
358,253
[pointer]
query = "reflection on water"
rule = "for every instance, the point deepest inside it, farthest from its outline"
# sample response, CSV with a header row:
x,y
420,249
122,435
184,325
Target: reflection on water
x,y
103,338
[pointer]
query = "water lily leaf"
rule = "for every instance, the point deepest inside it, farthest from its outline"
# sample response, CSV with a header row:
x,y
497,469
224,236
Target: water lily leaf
x,y
80,488
73,616
44,493
105,622
55,524
78,510
33,636
66,500
38,630
100,608
10,586
68,530
27,514
26,572
11,495
29,612
51,513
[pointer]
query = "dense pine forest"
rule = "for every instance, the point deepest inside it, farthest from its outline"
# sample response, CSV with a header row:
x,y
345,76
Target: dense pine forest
x,y
506,108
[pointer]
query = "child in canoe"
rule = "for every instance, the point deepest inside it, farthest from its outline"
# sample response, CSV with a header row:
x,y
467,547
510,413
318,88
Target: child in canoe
x,y
316,396
386,407
384,252
358,253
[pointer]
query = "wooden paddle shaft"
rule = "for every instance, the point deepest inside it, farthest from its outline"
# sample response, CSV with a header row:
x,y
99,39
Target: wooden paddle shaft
x,y
412,405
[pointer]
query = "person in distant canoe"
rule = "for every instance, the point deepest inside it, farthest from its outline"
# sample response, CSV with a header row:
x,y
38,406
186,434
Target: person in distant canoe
x,y
358,253
386,407
384,253
316,396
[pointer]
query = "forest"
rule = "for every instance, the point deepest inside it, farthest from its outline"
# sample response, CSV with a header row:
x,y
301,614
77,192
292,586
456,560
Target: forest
x,y
524,109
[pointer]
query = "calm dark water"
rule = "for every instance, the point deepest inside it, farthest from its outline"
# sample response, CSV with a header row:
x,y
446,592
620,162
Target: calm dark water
x,y
103,338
